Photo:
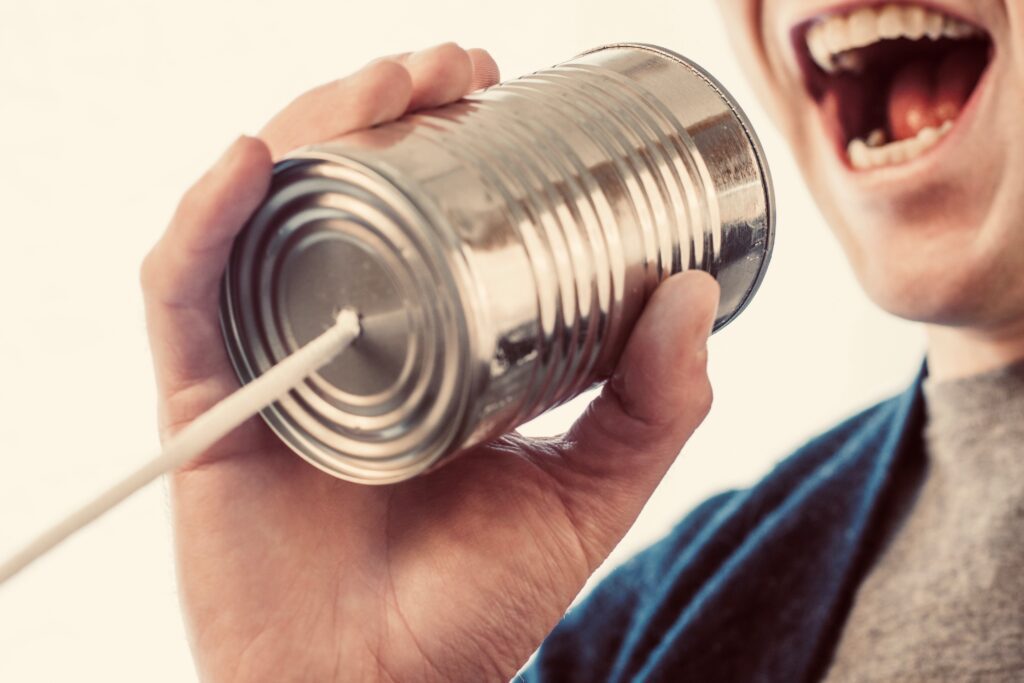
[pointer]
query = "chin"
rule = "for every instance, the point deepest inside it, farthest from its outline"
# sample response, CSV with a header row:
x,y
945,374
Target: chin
x,y
927,293
945,273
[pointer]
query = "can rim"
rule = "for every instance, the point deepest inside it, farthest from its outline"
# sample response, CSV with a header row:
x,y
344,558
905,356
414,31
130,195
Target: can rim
x,y
755,143
343,465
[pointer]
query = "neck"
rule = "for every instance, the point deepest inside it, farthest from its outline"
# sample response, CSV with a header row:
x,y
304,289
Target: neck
x,y
954,353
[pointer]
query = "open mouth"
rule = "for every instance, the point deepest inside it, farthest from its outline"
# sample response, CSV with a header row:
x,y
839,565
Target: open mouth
x,y
892,79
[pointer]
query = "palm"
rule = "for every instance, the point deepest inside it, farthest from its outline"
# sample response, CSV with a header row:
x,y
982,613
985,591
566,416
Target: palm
x,y
358,569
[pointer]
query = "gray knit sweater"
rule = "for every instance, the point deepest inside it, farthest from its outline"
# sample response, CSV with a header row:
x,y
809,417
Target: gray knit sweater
x,y
945,599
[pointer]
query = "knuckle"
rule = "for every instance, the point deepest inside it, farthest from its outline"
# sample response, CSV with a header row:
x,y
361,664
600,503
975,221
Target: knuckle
x,y
451,53
460,71
384,71
636,411
703,399
700,394
382,92
309,98
151,271
193,201
148,271
449,47
697,385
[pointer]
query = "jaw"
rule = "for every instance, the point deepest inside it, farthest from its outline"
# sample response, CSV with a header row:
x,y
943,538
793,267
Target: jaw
x,y
938,238
929,234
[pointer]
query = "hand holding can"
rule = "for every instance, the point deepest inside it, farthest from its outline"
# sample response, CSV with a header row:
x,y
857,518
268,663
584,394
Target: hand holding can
x,y
454,575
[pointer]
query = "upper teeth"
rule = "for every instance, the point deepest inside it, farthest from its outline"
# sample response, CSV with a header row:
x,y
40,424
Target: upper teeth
x,y
831,36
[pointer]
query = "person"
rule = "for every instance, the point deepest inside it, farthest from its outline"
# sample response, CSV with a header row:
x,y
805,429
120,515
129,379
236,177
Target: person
x,y
887,549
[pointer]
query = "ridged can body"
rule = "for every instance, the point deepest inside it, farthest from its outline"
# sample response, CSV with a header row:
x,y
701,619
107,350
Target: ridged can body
x,y
499,251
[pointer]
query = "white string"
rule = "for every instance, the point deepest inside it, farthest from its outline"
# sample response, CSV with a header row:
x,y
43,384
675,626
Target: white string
x,y
202,433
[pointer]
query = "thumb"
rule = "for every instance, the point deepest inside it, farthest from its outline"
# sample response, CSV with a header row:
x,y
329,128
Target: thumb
x,y
621,447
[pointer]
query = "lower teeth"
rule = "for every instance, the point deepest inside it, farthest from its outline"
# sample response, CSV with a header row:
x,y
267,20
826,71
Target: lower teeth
x,y
875,151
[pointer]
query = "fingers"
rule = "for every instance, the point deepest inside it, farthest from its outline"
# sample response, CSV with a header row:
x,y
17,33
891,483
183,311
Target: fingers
x,y
379,92
445,73
439,75
659,392
485,70
382,91
611,460
181,275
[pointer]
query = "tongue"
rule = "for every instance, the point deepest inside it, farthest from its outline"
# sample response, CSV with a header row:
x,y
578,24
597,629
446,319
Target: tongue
x,y
910,101
922,96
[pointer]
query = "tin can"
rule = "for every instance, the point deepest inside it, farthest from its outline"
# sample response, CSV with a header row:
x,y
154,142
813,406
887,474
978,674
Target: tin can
x,y
499,251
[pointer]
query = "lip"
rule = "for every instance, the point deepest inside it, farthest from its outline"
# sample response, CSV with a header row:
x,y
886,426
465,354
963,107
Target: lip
x,y
888,177
826,10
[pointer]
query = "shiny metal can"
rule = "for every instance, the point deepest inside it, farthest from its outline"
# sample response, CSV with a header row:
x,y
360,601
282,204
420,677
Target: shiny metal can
x,y
498,249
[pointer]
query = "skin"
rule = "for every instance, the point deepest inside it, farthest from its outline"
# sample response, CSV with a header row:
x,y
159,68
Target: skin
x,y
938,240
287,574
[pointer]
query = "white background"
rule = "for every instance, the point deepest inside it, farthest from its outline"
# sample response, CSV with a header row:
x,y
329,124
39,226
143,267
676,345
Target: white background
x,y
109,109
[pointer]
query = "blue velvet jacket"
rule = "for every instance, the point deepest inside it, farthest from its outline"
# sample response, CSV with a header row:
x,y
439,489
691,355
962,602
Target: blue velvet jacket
x,y
753,585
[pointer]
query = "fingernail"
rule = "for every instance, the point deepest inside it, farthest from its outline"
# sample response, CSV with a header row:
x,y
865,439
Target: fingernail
x,y
707,300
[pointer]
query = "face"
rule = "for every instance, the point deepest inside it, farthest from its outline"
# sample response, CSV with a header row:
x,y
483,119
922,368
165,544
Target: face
x,y
908,123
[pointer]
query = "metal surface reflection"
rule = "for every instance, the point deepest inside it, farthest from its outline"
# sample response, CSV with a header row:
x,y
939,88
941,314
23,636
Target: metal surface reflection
x,y
499,249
